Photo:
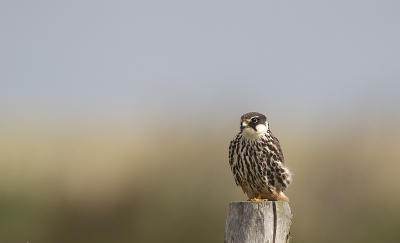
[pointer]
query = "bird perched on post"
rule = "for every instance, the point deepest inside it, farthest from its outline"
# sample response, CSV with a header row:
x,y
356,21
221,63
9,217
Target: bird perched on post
x,y
256,160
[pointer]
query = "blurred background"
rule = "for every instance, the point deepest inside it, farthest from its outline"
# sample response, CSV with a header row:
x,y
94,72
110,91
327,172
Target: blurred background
x,y
116,116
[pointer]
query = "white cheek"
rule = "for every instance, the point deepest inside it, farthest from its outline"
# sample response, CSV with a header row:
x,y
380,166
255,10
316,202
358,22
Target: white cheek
x,y
250,133
261,129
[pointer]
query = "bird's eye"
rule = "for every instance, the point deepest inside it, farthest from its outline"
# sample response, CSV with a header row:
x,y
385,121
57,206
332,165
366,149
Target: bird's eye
x,y
254,120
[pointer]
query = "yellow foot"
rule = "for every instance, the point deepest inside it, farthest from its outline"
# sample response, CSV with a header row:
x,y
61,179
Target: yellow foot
x,y
258,199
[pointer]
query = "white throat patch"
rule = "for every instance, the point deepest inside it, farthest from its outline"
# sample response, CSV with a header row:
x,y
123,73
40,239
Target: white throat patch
x,y
250,134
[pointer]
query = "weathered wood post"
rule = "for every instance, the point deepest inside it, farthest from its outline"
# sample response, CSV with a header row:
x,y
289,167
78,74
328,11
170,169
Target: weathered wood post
x,y
258,222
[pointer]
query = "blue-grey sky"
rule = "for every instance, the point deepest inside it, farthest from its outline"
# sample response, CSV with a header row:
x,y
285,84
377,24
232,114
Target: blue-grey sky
x,y
120,60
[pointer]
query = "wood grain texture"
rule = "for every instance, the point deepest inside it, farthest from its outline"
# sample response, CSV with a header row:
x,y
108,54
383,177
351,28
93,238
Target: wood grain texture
x,y
258,222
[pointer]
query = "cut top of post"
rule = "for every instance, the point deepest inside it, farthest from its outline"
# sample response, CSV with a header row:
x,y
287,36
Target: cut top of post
x,y
258,222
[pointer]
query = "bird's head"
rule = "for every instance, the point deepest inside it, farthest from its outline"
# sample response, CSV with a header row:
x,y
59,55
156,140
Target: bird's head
x,y
253,125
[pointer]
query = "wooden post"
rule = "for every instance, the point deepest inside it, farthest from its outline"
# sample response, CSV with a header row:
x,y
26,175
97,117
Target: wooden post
x,y
258,222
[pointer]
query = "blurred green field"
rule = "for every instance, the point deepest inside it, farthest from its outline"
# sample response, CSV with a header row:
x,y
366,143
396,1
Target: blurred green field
x,y
109,184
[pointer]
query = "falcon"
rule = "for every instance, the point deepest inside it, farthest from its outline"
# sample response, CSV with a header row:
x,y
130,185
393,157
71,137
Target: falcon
x,y
256,160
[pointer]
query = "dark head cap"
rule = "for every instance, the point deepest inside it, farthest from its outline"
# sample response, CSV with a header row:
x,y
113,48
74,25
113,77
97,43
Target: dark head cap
x,y
252,119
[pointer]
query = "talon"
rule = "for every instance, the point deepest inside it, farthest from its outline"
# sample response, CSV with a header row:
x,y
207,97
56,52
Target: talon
x,y
258,199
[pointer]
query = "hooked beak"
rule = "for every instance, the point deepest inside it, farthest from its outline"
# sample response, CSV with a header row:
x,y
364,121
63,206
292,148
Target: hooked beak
x,y
244,124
